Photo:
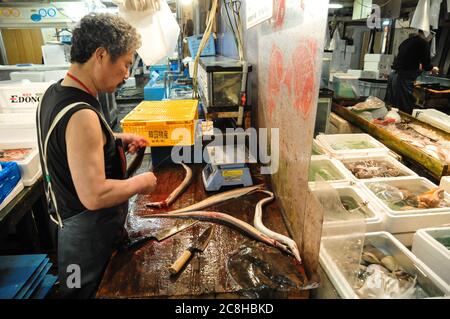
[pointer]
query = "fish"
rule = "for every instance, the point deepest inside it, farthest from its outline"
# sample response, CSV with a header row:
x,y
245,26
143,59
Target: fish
x,y
257,222
177,191
228,220
215,199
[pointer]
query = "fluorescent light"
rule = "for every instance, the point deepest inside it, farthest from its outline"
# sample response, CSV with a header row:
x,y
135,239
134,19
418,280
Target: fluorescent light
x,y
335,6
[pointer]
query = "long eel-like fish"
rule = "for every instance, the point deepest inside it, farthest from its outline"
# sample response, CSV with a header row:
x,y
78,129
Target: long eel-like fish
x,y
257,221
215,199
229,220
177,191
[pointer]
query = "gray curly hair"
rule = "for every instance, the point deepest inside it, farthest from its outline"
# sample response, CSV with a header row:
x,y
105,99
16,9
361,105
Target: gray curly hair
x,y
105,30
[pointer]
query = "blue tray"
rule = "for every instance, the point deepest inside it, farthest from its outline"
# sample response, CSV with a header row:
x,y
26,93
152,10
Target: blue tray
x,y
15,271
43,289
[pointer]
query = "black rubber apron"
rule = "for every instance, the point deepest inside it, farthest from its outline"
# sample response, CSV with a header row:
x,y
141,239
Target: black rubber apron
x,y
87,240
400,90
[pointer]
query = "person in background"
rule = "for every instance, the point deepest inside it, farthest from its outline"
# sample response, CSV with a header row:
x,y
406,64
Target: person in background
x,y
413,57
83,160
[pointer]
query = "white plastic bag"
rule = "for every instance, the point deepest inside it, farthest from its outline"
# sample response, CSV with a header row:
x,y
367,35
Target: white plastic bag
x,y
159,31
421,17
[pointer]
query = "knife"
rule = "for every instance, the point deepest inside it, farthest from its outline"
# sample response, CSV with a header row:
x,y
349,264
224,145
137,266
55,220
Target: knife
x,y
161,234
198,245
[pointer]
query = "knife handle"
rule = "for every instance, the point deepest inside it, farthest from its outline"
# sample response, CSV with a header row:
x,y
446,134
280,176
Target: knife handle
x,y
179,263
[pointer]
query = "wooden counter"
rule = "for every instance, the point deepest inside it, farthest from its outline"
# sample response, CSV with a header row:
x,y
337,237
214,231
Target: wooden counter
x,y
142,272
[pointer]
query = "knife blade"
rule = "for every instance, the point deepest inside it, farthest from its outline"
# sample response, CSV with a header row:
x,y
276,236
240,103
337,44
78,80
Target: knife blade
x,y
199,245
162,234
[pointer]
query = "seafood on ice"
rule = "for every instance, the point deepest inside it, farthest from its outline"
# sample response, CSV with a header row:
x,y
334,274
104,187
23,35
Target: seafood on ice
x,y
365,169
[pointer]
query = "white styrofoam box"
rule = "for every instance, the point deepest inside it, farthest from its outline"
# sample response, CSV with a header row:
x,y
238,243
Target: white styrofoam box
x,y
445,183
405,238
22,95
336,167
376,66
429,281
370,74
130,82
375,221
386,58
17,127
54,75
328,140
410,220
319,148
357,73
433,253
433,117
33,76
16,190
384,158
30,167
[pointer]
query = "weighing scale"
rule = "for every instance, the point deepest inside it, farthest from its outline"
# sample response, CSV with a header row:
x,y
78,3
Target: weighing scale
x,y
227,167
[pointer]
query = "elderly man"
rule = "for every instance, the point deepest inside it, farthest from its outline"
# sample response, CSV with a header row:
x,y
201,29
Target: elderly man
x,y
82,159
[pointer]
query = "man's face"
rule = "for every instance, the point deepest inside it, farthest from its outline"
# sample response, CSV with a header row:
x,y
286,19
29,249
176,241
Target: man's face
x,y
114,74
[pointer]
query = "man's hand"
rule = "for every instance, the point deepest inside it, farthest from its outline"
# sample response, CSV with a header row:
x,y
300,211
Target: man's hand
x,y
148,181
132,141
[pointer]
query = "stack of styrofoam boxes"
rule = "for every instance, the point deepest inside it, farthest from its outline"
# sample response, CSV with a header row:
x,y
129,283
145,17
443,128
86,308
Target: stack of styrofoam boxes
x,y
18,130
432,252
351,187
381,63
431,284
404,223
21,97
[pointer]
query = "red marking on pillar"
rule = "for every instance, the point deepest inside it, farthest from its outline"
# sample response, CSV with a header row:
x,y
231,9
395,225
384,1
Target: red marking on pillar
x,y
300,77
275,76
280,6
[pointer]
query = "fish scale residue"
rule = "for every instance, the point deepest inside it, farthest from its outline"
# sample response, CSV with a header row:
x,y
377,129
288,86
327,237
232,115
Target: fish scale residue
x,y
262,271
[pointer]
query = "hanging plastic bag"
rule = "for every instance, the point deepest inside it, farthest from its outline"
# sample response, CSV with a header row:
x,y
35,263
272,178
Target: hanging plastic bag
x,y
159,31
421,17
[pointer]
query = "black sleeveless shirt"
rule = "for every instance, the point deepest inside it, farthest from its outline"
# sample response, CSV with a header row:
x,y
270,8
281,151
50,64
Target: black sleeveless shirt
x,y
54,100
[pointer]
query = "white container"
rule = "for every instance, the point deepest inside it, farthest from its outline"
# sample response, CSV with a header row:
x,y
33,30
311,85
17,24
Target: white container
x,y
18,127
445,183
334,144
406,172
23,95
329,167
16,190
433,253
431,283
27,75
374,222
433,117
30,167
408,221
54,75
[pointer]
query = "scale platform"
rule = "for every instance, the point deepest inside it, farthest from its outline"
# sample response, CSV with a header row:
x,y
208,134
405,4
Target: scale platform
x,y
227,167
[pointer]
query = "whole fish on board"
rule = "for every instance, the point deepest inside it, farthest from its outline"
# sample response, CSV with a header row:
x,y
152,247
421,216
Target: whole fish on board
x,y
229,220
213,200
257,221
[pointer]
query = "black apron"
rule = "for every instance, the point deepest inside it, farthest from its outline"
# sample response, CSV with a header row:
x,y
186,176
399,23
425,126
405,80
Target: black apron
x,y
87,240
400,88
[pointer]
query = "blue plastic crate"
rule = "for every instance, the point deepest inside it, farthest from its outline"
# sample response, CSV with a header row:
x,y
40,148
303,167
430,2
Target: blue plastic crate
x,y
9,177
194,43
154,92
159,68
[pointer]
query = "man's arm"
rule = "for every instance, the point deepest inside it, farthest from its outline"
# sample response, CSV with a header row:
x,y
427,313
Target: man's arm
x,y
426,57
84,140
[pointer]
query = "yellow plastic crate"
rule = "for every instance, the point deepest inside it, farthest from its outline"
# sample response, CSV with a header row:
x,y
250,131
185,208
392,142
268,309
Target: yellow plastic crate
x,y
163,123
